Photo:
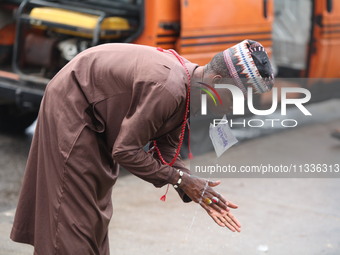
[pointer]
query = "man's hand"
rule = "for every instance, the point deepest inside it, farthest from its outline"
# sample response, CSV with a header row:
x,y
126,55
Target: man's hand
x,y
224,220
201,191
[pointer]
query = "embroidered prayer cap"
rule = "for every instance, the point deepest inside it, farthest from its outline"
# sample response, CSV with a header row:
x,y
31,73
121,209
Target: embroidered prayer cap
x,y
249,66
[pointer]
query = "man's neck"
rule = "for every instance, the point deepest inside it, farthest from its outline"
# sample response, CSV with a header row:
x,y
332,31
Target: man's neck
x,y
195,96
197,75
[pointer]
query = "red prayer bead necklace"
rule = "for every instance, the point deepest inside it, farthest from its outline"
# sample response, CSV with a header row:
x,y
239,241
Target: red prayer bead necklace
x,y
185,118
185,121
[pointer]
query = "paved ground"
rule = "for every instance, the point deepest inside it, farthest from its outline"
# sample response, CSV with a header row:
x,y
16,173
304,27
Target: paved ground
x,y
279,216
13,154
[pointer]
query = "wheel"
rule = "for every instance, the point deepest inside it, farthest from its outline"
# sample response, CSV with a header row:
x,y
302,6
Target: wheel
x,y
15,120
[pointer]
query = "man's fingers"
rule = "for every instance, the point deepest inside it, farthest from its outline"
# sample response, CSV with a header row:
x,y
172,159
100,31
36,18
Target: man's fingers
x,y
227,224
206,207
222,198
232,222
214,183
213,214
224,220
221,209
232,205
217,220
233,218
208,203
218,208
224,201
215,197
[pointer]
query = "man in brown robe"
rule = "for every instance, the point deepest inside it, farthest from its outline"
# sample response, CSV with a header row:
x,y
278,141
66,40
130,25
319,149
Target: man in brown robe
x,y
97,113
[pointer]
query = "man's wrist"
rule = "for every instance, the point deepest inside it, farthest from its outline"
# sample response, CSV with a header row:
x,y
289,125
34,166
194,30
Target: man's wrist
x,y
176,175
179,181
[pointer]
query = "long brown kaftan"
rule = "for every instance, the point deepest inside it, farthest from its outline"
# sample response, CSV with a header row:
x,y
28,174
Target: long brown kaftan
x,y
98,111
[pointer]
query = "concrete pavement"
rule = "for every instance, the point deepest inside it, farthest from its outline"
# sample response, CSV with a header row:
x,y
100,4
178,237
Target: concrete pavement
x,y
278,216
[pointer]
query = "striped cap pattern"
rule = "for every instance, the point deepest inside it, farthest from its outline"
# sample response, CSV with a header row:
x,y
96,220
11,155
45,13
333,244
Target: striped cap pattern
x,y
249,66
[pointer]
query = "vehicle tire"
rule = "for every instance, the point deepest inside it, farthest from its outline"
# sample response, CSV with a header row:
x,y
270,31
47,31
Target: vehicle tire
x,y
15,120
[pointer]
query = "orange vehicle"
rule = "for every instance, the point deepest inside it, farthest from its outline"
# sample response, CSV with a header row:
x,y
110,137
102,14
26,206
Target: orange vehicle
x,y
306,38
198,30
324,54
50,33
43,36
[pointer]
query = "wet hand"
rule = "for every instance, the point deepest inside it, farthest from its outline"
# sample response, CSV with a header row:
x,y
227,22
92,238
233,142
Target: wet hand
x,y
201,191
226,219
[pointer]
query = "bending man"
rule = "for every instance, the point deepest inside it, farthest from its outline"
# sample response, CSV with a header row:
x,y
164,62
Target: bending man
x,y
98,113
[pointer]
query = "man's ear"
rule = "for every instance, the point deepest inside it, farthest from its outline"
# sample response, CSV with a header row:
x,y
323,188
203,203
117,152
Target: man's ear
x,y
217,78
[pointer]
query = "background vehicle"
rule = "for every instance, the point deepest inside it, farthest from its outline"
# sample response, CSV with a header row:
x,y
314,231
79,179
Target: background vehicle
x,y
38,37
307,38
46,34
306,45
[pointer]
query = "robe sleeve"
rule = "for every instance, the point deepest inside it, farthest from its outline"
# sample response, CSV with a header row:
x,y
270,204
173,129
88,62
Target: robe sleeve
x,y
151,106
